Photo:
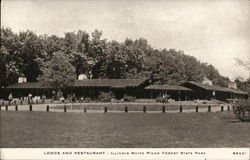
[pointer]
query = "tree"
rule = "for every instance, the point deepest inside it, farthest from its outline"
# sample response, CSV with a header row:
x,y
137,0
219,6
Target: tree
x,y
97,52
244,63
28,54
58,72
9,67
78,51
115,61
30,47
241,84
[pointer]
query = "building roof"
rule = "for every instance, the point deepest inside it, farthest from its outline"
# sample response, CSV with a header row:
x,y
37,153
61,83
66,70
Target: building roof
x,y
167,88
31,85
216,88
237,91
114,83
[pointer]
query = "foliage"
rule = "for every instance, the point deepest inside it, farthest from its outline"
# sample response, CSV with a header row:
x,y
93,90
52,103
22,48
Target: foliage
x,y
58,72
243,85
105,96
160,99
19,53
241,111
244,63
129,98
59,94
27,54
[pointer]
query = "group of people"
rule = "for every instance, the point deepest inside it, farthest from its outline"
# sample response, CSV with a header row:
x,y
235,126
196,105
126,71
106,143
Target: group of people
x,y
165,98
29,98
70,98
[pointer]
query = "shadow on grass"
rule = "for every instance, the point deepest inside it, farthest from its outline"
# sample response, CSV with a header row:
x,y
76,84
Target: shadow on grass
x,y
238,121
234,121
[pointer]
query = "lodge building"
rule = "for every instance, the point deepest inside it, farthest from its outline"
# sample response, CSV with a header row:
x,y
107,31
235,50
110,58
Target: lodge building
x,y
83,88
138,88
205,91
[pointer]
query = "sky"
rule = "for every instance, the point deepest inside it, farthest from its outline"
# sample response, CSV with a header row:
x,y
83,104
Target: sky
x,y
214,31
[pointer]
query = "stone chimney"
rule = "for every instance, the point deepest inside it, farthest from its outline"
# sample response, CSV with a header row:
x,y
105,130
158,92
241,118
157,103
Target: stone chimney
x,y
90,74
207,81
82,77
22,80
232,85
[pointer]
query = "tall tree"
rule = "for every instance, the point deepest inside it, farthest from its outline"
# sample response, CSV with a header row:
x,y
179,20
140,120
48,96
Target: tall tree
x,y
79,53
58,72
9,63
244,63
241,84
98,54
30,48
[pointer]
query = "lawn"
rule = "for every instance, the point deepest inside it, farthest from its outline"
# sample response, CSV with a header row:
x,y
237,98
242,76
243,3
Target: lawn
x,y
121,130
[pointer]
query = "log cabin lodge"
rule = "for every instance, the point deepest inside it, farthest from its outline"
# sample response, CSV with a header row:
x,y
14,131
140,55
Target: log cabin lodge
x,y
137,88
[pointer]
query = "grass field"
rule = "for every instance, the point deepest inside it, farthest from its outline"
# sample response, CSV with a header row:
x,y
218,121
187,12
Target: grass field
x,y
121,130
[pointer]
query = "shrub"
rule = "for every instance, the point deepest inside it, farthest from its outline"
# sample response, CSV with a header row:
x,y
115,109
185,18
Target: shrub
x,y
158,99
129,98
105,96
161,99
87,99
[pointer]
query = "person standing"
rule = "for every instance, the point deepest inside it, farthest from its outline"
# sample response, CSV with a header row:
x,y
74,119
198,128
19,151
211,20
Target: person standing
x,y
30,98
43,98
10,98
74,98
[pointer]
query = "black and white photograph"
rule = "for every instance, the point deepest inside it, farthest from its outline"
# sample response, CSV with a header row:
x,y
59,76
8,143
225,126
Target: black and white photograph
x,y
125,74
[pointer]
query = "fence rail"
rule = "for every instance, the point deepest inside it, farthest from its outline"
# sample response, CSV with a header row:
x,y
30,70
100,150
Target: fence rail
x,y
125,109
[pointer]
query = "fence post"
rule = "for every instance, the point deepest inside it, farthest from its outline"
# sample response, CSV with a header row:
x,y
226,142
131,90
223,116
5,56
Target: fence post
x,y
21,102
197,109
209,108
85,110
180,108
144,109
126,109
30,107
9,103
222,108
37,101
105,109
16,107
2,103
65,108
47,108
6,107
163,109
228,108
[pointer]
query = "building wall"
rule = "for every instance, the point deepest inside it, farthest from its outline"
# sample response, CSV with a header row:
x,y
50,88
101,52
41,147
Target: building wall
x,y
174,94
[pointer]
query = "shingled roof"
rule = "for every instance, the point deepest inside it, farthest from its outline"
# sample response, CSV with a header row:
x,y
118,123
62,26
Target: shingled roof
x,y
112,83
31,85
167,88
216,88
237,91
